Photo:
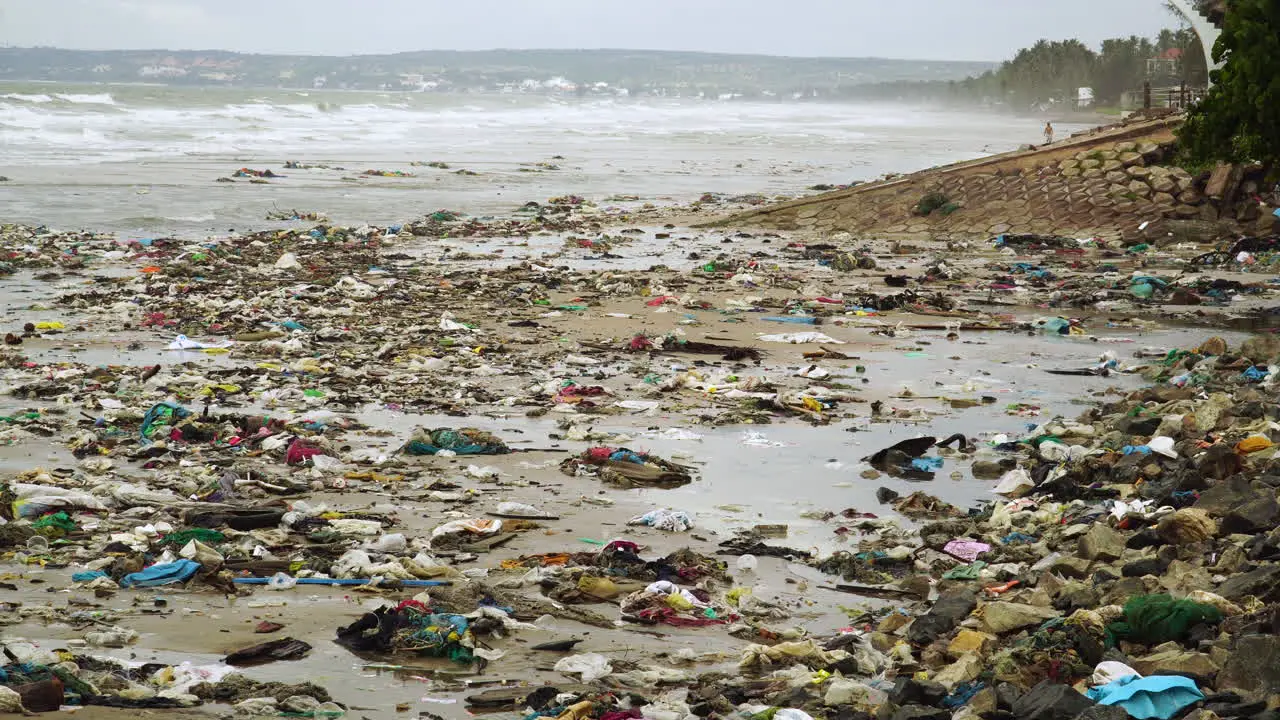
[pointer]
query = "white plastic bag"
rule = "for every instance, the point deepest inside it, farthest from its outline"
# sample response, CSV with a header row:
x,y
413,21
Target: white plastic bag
x,y
590,666
519,510
1015,483
801,338
664,519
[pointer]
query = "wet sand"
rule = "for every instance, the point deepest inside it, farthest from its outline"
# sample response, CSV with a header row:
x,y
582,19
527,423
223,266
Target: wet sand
x,y
784,472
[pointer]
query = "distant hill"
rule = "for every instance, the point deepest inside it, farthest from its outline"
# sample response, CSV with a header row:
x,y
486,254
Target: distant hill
x,y
581,71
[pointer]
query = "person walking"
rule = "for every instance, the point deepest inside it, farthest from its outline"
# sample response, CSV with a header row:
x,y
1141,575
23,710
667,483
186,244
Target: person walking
x,y
1048,133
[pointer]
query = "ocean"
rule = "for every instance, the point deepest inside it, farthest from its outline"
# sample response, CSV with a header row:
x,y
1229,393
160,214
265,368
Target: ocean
x,y
144,160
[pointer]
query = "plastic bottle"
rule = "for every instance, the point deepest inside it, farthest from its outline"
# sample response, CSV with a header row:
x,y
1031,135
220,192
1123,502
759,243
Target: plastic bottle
x,y
38,544
281,581
747,563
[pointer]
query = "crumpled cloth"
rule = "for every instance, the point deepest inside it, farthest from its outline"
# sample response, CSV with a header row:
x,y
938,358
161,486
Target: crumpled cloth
x,y
1108,671
1155,619
967,550
804,652
164,574
1157,696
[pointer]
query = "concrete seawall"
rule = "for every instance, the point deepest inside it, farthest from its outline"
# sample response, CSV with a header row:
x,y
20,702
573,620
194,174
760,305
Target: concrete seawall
x,y
1105,184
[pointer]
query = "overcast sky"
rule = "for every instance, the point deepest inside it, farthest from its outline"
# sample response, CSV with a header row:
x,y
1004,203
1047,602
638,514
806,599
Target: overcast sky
x,y
929,29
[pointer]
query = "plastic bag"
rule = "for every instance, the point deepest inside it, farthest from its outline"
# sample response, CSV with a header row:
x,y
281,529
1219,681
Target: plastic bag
x,y
448,324
679,602
804,652
352,526
37,500
10,701
598,587
1163,446
519,509
394,543
477,526
1108,671
208,558
1015,483
131,495
801,338
356,564
1252,444
590,666
326,463
668,520
671,705
843,691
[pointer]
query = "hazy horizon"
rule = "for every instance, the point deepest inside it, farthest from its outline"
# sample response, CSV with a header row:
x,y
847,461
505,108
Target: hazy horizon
x,y
490,50
958,30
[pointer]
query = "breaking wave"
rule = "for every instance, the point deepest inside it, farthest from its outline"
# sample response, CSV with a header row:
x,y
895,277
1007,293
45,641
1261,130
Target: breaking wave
x,y
50,128
61,98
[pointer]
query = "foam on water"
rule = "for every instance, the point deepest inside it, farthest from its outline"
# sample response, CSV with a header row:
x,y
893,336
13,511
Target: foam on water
x,y
86,128
22,98
86,99
65,98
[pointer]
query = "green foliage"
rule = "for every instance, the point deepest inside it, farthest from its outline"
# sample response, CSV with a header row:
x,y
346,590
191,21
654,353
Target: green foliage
x,y
1193,165
1239,120
930,202
1122,66
1047,71
1052,71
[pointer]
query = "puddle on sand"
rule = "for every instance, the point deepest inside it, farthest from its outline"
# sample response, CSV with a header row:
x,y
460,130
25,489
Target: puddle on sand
x,y
653,246
776,472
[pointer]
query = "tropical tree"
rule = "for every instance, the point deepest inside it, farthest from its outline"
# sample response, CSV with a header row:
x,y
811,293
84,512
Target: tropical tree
x,y
1239,120
1122,66
1047,71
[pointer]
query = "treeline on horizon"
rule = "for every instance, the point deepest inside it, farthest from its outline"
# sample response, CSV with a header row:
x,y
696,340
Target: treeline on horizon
x,y
641,71
1050,73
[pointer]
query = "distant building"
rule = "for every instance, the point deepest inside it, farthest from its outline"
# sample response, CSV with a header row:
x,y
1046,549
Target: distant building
x,y
1166,64
161,71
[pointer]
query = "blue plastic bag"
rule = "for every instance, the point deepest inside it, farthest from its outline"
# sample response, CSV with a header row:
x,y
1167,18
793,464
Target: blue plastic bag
x,y
1158,696
163,574
927,464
